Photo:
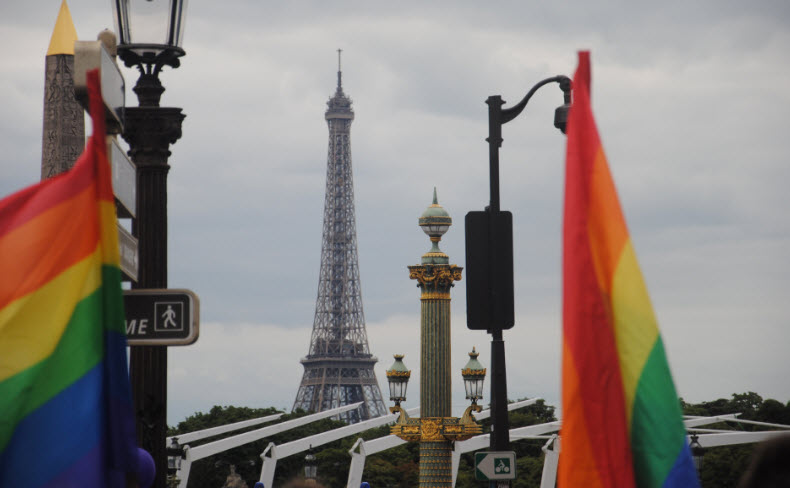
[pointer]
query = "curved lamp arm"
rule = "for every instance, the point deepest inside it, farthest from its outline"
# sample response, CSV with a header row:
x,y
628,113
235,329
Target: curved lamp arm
x,y
498,116
511,113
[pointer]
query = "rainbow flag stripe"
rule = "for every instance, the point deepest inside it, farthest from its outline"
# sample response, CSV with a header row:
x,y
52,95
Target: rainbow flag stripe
x,y
65,402
622,425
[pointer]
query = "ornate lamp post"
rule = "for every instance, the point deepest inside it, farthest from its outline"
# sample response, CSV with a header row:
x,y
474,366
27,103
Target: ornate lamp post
x,y
150,34
489,259
310,467
174,455
697,453
435,430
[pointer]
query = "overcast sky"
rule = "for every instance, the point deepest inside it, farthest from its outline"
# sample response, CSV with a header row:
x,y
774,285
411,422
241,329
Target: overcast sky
x,y
691,100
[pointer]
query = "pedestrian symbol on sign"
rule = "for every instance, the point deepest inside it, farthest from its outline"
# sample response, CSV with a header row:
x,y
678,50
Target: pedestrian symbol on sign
x,y
169,316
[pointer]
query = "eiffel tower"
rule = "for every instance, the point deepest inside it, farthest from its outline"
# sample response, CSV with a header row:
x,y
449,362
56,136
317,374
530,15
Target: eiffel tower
x,y
338,370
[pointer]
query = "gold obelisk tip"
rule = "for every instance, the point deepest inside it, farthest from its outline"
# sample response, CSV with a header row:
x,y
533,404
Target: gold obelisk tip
x,y
64,34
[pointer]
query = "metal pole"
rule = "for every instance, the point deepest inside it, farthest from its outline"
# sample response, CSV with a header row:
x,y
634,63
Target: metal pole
x,y
494,139
500,437
150,130
500,433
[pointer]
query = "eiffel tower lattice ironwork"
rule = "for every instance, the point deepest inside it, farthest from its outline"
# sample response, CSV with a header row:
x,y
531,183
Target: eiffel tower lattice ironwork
x,y
338,370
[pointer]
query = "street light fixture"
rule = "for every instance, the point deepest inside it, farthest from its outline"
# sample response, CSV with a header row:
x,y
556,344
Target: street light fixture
x,y
174,455
435,222
697,452
398,379
143,34
474,375
310,466
146,41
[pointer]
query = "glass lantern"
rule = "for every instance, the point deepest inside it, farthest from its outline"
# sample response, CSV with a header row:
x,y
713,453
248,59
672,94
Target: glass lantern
x,y
474,375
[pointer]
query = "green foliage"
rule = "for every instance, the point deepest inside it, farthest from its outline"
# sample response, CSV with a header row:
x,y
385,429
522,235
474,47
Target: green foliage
x,y
529,456
722,467
211,472
399,467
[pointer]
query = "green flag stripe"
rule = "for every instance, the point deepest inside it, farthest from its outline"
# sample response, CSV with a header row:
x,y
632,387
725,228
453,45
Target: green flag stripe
x,y
113,319
81,347
657,430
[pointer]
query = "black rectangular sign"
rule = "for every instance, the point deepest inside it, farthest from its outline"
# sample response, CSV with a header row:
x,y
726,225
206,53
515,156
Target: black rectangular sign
x,y
161,317
489,270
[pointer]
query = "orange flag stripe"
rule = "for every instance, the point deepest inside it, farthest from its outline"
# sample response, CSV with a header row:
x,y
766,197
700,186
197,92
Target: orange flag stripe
x,y
585,469
605,223
28,261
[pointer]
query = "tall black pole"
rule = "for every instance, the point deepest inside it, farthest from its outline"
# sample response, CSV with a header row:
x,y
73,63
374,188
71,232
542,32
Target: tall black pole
x,y
149,131
500,434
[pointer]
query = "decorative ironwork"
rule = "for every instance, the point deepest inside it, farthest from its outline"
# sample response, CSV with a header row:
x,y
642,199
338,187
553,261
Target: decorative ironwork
x,y
436,276
339,365
436,429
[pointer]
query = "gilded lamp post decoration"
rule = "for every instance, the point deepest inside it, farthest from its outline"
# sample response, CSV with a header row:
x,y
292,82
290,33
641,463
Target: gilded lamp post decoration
x,y
436,429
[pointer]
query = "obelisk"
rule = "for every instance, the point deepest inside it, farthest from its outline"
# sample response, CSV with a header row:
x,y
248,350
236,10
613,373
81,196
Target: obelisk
x,y
64,122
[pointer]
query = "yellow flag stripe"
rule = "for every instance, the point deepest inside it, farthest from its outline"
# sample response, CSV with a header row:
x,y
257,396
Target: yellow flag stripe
x,y
31,326
635,326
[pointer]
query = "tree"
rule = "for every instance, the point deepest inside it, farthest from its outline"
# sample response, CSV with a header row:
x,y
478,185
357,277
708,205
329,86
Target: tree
x,y
211,472
723,466
398,467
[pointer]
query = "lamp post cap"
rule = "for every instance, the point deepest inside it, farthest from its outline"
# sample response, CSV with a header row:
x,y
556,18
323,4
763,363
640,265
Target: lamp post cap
x,y
473,366
435,221
435,211
398,368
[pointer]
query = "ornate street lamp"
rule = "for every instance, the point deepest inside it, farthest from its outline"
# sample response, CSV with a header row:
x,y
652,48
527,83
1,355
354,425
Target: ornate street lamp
x,y
697,452
310,467
474,375
435,429
150,34
150,31
398,379
174,455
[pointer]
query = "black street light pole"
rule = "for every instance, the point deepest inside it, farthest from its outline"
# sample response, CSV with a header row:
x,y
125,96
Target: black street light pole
x,y
489,260
149,130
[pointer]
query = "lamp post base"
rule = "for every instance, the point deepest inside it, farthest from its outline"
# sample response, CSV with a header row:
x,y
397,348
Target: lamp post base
x,y
436,436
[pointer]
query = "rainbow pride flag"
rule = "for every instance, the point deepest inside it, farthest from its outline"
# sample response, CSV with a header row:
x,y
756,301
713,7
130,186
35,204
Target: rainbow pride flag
x,y
621,420
66,417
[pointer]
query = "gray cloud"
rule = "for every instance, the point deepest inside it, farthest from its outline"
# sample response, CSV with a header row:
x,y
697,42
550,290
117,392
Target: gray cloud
x,y
690,101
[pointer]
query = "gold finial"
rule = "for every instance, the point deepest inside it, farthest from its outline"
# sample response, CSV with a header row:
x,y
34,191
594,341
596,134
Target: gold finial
x,y
64,34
